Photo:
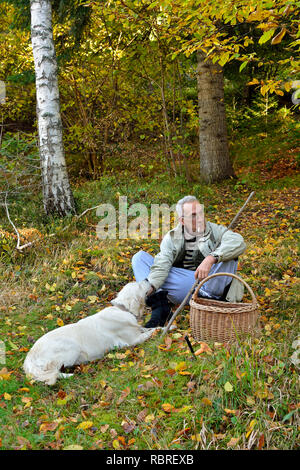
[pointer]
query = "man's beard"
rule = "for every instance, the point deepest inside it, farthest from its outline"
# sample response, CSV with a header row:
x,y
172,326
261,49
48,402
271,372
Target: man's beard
x,y
199,231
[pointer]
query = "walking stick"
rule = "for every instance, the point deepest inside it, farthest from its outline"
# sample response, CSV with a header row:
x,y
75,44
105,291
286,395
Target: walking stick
x,y
232,223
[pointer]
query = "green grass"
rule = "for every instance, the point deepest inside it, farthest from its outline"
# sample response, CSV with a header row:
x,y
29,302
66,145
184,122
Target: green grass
x,y
170,401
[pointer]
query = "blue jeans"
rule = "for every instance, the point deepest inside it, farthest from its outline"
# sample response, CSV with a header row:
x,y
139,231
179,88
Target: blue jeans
x,y
179,280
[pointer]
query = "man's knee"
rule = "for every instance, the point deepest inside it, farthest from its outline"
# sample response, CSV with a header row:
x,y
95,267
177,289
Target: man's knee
x,y
137,258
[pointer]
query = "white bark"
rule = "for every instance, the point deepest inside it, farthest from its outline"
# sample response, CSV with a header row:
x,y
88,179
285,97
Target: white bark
x,y
57,193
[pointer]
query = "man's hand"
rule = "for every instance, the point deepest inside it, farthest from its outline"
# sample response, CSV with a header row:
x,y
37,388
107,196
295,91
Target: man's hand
x,y
150,291
203,269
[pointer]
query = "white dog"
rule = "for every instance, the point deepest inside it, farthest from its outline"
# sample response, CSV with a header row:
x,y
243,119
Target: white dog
x,y
91,337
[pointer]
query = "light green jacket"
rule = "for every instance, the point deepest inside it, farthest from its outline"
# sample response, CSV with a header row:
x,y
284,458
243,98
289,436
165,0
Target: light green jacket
x,y
172,252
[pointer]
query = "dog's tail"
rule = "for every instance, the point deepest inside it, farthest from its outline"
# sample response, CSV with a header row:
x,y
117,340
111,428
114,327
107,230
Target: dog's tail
x,y
47,372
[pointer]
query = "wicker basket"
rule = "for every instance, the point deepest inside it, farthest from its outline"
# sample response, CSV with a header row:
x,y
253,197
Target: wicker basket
x,y
215,320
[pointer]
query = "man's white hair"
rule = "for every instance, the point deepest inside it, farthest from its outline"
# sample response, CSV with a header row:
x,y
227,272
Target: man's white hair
x,y
181,202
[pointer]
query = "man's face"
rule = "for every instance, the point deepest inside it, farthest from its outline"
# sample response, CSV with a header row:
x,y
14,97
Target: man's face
x,y
193,217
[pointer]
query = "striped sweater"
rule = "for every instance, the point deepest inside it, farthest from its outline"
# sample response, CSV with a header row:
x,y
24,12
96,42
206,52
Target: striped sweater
x,y
190,246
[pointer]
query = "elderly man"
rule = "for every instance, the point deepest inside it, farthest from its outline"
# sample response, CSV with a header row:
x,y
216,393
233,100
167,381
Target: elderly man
x,y
190,251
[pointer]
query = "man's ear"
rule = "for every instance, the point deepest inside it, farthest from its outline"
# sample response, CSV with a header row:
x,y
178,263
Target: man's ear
x,y
181,220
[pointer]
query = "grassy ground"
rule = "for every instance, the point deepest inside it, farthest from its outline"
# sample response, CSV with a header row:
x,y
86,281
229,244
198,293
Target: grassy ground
x,y
234,396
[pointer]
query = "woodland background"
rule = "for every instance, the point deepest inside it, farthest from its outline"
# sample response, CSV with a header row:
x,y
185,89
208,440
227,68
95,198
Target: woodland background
x,y
127,74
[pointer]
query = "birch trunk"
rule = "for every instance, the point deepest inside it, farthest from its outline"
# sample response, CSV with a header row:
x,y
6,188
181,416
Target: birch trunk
x,y
57,194
215,163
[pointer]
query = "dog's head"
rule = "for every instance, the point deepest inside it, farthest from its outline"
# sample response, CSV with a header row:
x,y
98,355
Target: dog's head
x,y
132,297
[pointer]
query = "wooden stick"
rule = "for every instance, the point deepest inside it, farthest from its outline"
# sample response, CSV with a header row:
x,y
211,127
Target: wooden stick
x,y
20,247
181,306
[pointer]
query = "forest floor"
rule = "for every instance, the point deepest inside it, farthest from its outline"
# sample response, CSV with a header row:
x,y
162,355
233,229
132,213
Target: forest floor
x,y
242,395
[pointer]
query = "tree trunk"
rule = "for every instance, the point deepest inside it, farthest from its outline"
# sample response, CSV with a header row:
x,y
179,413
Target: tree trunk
x,y
215,164
57,194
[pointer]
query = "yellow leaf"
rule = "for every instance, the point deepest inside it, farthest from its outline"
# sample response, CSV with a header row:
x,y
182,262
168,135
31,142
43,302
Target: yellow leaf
x,y
7,396
229,412
60,322
4,374
288,86
180,366
206,401
149,418
250,427
264,89
23,389
253,82
228,387
184,409
277,39
267,292
116,444
167,407
85,425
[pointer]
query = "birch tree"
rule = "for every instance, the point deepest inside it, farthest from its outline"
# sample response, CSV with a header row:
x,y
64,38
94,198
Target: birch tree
x,y
57,194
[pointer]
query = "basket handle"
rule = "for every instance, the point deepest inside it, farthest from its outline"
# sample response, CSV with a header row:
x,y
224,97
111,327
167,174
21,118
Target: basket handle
x,y
226,274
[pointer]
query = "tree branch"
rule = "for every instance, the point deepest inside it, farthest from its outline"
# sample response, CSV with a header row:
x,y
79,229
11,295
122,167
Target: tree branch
x,y
20,247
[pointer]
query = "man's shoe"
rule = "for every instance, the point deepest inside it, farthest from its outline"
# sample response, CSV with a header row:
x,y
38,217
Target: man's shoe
x,y
161,309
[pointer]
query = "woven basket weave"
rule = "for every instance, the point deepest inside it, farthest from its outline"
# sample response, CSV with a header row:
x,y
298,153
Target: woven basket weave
x,y
215,320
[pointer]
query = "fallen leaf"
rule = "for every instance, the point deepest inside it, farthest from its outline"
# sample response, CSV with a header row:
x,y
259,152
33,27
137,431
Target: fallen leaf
x,y
142,415
261,442
206,401
167,407
24,443
124,394
170,372
45,427
104,428
228,387
60,322
128,427
233,442
149,418
4,374
204,348
116,444
180,366
250,427
85,425
230,412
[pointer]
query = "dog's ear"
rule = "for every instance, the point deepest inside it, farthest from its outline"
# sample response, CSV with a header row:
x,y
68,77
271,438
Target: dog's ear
x,y
137,290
